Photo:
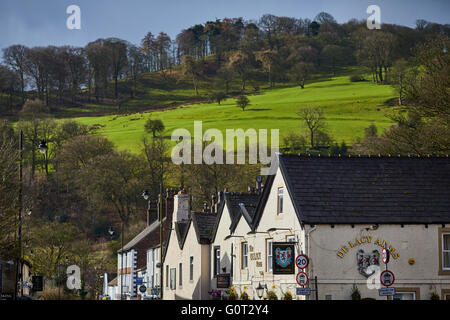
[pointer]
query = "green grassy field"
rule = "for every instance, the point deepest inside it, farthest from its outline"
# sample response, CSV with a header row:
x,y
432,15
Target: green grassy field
x,y
349,108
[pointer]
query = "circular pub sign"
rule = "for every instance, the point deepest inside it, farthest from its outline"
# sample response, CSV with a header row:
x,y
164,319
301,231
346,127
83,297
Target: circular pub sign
x,y
302,278
301,261
387,278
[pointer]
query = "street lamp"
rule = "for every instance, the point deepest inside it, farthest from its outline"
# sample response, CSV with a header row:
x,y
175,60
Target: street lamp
x,y
111,231
42,147
260,290
146,196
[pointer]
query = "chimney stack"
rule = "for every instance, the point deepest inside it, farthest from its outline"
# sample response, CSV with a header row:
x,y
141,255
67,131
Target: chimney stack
x,y
213,203
181,206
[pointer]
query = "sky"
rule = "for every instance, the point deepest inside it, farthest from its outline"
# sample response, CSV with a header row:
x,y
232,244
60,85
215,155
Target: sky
x,y
43,22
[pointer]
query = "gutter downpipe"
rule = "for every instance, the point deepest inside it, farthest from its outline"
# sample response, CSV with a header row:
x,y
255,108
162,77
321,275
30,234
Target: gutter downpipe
x,y
307,239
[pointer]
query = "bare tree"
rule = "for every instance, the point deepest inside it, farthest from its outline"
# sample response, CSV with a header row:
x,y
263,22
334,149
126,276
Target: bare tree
x,y
313,118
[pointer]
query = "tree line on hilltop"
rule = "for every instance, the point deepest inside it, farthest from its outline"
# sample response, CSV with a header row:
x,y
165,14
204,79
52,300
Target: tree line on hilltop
x,y
270,50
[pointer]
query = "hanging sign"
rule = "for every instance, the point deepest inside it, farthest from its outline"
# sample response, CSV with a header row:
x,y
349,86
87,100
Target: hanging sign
x,y
301,261
387,278
302,278
283,258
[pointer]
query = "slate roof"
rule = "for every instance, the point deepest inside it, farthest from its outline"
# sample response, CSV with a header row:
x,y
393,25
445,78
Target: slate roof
x,y
141,236
182,229
204,224
250,201
383,190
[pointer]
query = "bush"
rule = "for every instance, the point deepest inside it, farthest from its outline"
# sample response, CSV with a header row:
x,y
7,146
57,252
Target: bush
x,y
271,295
294,142
357,77
34,108
244,295
287,295
217,96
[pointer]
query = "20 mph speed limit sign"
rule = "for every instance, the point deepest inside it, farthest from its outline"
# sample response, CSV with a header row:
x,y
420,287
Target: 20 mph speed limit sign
x,y
301,261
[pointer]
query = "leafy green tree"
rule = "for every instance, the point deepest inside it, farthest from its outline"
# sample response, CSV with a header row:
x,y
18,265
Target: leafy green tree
x,y
51,243
154,126
242,102
218,96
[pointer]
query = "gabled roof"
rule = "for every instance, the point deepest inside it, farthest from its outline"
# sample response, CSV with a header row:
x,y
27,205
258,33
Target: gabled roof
x,y
204,224
113,282
381,190
182,229
234,201
262,202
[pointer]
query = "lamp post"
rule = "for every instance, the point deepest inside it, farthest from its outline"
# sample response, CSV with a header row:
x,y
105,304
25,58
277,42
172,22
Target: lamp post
x,y
121,270
19,231
146,196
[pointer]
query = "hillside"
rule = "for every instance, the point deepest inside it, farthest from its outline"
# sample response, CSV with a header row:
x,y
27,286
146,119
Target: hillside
x,y
349,108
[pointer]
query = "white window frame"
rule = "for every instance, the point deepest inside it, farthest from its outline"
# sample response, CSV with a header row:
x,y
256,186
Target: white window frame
x,y
444,234
173,278
244,254
180,274
291,236
280,200
269,255
405,293
216,260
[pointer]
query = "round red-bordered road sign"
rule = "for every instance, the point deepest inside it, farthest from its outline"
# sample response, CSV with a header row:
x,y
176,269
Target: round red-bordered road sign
x,y
387,278
302,278
301,261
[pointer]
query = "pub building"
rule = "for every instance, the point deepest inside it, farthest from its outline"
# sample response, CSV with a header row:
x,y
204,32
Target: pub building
x,y
341,212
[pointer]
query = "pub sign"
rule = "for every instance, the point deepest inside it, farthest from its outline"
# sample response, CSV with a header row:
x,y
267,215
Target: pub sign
x,y
223,280
283,258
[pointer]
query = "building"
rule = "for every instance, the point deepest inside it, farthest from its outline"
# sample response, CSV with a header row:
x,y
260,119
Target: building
x,y
8,279
237,211
137,263
186,263
341,212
